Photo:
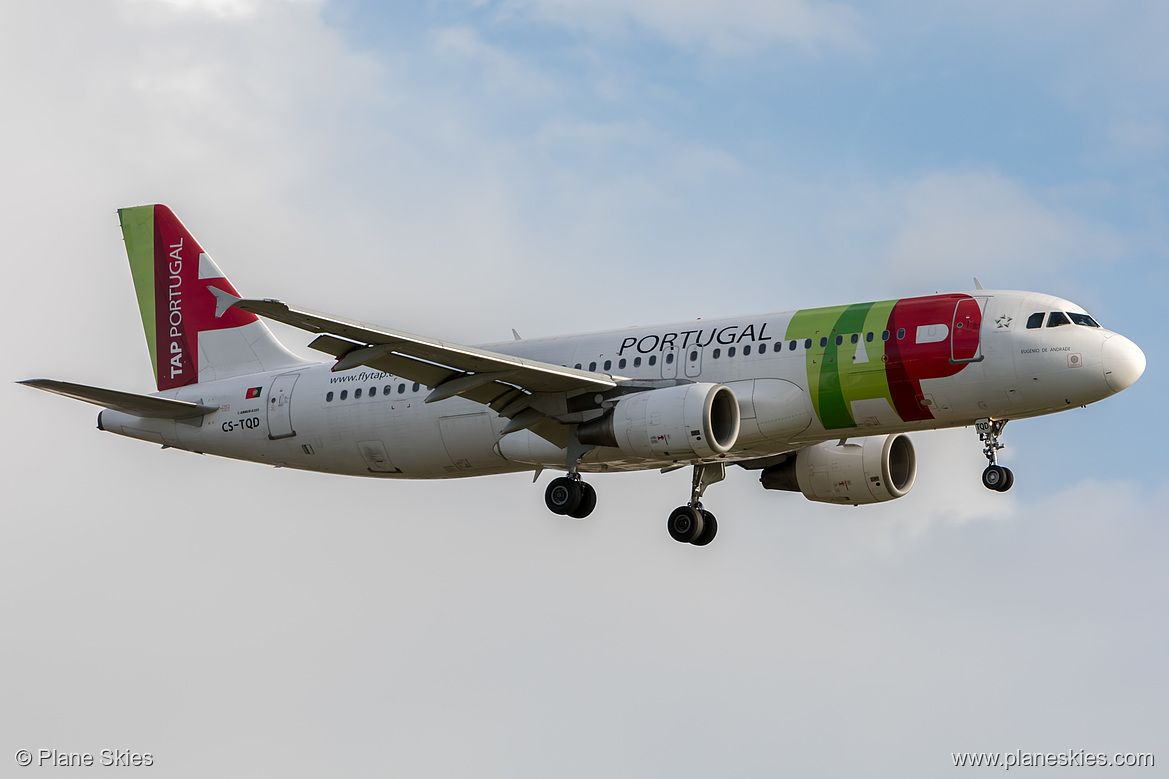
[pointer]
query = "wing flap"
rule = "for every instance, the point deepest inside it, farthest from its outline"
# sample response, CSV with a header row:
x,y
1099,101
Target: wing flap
x,y
147,406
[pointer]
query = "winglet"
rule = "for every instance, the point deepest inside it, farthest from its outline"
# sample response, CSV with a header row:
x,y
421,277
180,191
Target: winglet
x,y
223,300
978,284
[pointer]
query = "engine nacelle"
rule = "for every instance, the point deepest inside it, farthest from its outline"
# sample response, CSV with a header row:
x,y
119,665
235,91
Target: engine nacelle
x,y
689,420
872,470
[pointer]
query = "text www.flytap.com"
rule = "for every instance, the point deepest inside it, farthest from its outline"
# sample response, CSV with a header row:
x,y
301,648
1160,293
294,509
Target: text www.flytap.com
x,y
1070,758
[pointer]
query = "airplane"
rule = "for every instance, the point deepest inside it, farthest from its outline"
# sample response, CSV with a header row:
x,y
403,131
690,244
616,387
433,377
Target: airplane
x,y
818,400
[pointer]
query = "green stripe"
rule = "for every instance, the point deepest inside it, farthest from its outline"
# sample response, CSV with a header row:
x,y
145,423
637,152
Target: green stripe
x,y
138,231
834,409
835,380
815,323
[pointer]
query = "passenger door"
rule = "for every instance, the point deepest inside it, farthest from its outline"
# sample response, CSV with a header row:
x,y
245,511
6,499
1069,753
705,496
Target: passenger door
x,y
965,345
280,406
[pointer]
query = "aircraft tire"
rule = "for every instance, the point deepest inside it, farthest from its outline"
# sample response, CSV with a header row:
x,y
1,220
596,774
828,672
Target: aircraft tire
x,y
709,529
994,477
1009,481
588,501
685,524
564,495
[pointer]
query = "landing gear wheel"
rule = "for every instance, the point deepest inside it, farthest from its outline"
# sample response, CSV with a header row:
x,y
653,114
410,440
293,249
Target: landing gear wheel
x,y
564,495
997,478
709,528
588,501
1009,481
685,524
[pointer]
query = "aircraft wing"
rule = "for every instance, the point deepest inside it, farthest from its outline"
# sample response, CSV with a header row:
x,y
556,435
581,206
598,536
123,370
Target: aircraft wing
x,y
506,383
139,405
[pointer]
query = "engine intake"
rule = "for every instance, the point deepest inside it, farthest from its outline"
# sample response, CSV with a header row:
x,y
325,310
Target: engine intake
x,y
873,470
689,420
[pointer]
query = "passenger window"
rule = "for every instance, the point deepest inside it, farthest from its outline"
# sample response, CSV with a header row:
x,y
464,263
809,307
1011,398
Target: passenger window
x,y
636,362
577,366
884,335
387,389
716,353
670,358
1035,320
401,388
839,340
357,393
1057,318
608,364
900,333
344,394
823,342
855,337
373,392
693,356
792,345
328,397
746,350
592,366
621,363
653,359
415,387
731,352
807,343
868,337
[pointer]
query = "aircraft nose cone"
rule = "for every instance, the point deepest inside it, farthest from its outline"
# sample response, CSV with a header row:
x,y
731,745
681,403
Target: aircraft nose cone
x,y
1123,362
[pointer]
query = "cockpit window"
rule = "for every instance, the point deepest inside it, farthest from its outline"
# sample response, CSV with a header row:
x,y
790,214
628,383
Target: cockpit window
x,y
1082,319
1057,318
1035,320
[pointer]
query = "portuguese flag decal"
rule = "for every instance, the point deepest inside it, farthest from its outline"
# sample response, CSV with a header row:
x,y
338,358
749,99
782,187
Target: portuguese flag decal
x,y
254,392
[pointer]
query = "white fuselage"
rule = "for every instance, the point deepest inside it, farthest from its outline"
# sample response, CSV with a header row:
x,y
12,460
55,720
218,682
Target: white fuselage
x,y
363,422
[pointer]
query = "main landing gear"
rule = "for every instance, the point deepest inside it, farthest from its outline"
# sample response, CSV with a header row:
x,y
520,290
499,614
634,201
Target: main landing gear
x,y
995,477
692,524
570,496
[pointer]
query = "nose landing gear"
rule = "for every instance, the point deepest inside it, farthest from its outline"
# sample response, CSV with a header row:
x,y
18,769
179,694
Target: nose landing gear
x,y
995,477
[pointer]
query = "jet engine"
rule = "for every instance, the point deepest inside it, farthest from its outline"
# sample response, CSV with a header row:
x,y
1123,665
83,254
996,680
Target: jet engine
x,y
871,470
689,420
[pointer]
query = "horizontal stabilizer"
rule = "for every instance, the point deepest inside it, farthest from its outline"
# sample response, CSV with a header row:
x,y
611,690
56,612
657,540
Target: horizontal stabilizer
x,y
139,405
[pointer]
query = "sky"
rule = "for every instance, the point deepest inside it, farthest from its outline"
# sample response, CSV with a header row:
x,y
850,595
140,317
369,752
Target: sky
x,y
463,167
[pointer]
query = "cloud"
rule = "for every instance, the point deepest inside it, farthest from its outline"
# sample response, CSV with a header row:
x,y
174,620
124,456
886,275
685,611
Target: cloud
x,y
1138,141
224,9
499,71
990,225
734,27
942,227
